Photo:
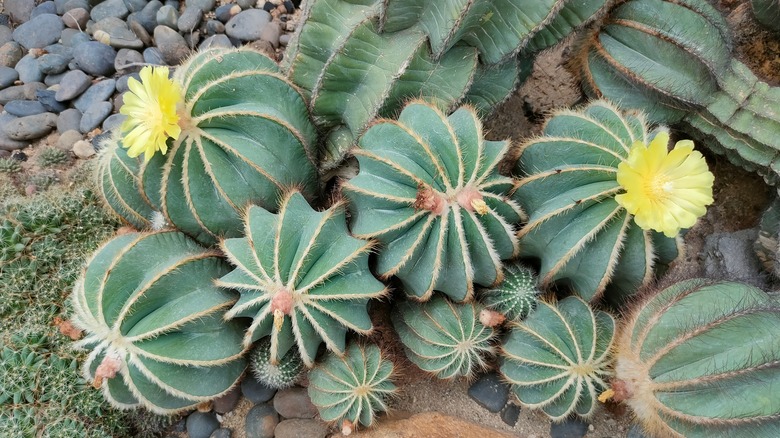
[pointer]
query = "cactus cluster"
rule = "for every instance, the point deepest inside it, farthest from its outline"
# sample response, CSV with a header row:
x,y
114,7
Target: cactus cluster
x,y
10,165
52,156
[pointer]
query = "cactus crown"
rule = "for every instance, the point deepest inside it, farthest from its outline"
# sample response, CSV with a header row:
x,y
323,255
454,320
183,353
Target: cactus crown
x,y
516,296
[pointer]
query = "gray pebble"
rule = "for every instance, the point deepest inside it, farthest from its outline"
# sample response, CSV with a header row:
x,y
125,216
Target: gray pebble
x,y
201,424
59,49
192,39
261,421
68,139
94,116
203,5
31,89
119,100
140,31
189,19
284,39
84,149
68,120
248,25
120,36
113,122
134,5
215,27
109,8
271,34
6,34
72,37
572,427
39,32
489,392
153,56
223,12
221,433
172,46
15,92
148,15
216,41
121,83
44,8
50,80
125,57
6,142
46,98
168,16
10,53
95,58
30,127
172,3
98,92
22,108
246,4
73,4
28,69
73,84
510,414
228,401
76,18
19,10
295,428
7,76
731,255
60,5
294,403
256,391
52,63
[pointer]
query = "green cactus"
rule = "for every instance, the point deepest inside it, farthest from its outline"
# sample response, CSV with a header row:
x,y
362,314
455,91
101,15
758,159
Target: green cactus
x,y
52,156
303,279
558,358
352,388
516,296
429,191
154,323
444,338
246,137
680,70
700,358
767,12
12,241
582,236
9,166
280,374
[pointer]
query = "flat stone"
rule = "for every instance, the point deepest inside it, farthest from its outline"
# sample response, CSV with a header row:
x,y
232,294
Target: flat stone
x,y
128,60
510,414
261,421
201,424
121,83
297,428
68,120
214,27
168,16
83,149
140,31
68,139
203,5
294,403
31,89
76,18
430,425
189,19
284,39
256,391
28,69
30,127
6,34
15,92
73,4
59,49
19,10
96,93
52,63
120,35
73,84
113,122
489,392
7,76
153,56
48,100
731,256
134,5
72,38
95,58
94,116
22,108
216,41
221,433
39,32
109,8
271,33
228,401
10,54
147,17
60,4
224,13
47,7
570,428
50,80
172,46
6,142
248,25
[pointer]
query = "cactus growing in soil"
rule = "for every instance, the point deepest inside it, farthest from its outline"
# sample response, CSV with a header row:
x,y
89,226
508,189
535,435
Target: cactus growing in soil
x,y
444,338
154,323
303,279
429,191
351,389
245,137
52,156
283,373
700,358
578,230
558,358
10,165
767,12
516,296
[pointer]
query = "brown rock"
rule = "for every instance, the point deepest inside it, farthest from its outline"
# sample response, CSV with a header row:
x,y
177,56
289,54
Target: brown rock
x,y
301,428
294,403
429,425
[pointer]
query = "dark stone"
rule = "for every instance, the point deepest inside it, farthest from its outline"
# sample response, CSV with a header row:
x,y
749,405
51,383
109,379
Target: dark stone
x,y
73,4
73,84
6,142
490,392
59,49
6,34
7,76
28,69
95,58
201,424
52,63
255,391
39,32
294,403
47,99
261,421
268,6
68,120
120,36
214,27
134,5
190,19
109,8
246,4
130,58
153,56
113,122
572,427
76,39
221,433
96,93
510,414
228,401
22,108
44,8
94,116
168,16
30,127
172,46
289,6
140,31
223,12
147,17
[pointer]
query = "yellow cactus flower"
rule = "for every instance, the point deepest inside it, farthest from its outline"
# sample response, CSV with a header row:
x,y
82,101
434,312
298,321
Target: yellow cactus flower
x,y
665,190
150,107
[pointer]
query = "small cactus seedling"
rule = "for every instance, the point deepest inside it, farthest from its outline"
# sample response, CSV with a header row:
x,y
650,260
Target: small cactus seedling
x,y
558,358
10,165
280,374
516,296
52,156
351,389
430,192
701,359
154,323
444,338
302,278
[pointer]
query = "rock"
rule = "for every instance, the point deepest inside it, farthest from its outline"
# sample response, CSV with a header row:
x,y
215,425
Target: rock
x,y
192,39
50,80
201,424
119,35
119,100
113,122
228,401
52,63
271,33
39,32
73,4
246,4
216,41
731,256
153,56
73,84
28,69
128,60
263,46
167,16
140,32
261,421
68,120
203,5
11,93
172,46
22,108
59,49
255,391
289,6
19,10
294,403
31,89
68,139
76,18
10,54
83,149
6,142
248,25
221,433
296,428
189,19
121,83
489,392
109,8
572,427
134,5
173,3
510,414
95,58
48,100
94,116
60,4
6,34
148,15
30,127
44,8
7,76
98,92
284,39
75,38
214,27
223,12
269,6
429,425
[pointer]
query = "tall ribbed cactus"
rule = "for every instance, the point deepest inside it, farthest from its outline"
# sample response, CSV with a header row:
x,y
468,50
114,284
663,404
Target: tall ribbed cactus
x,y
245,138
581,234
357,60
154,323
673,60
702,359
429,191
302,278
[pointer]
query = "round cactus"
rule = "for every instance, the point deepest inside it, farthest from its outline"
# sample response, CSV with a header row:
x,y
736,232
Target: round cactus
x,y
767,12
581,234
154,323
352,388
444,338
558,358
516,296
700,359
429,191
280,374
302,278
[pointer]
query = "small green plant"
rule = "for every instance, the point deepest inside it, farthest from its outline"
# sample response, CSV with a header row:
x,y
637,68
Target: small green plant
x,y
351,389
516,296
9,166
52,156
283,373
12,241
558,359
